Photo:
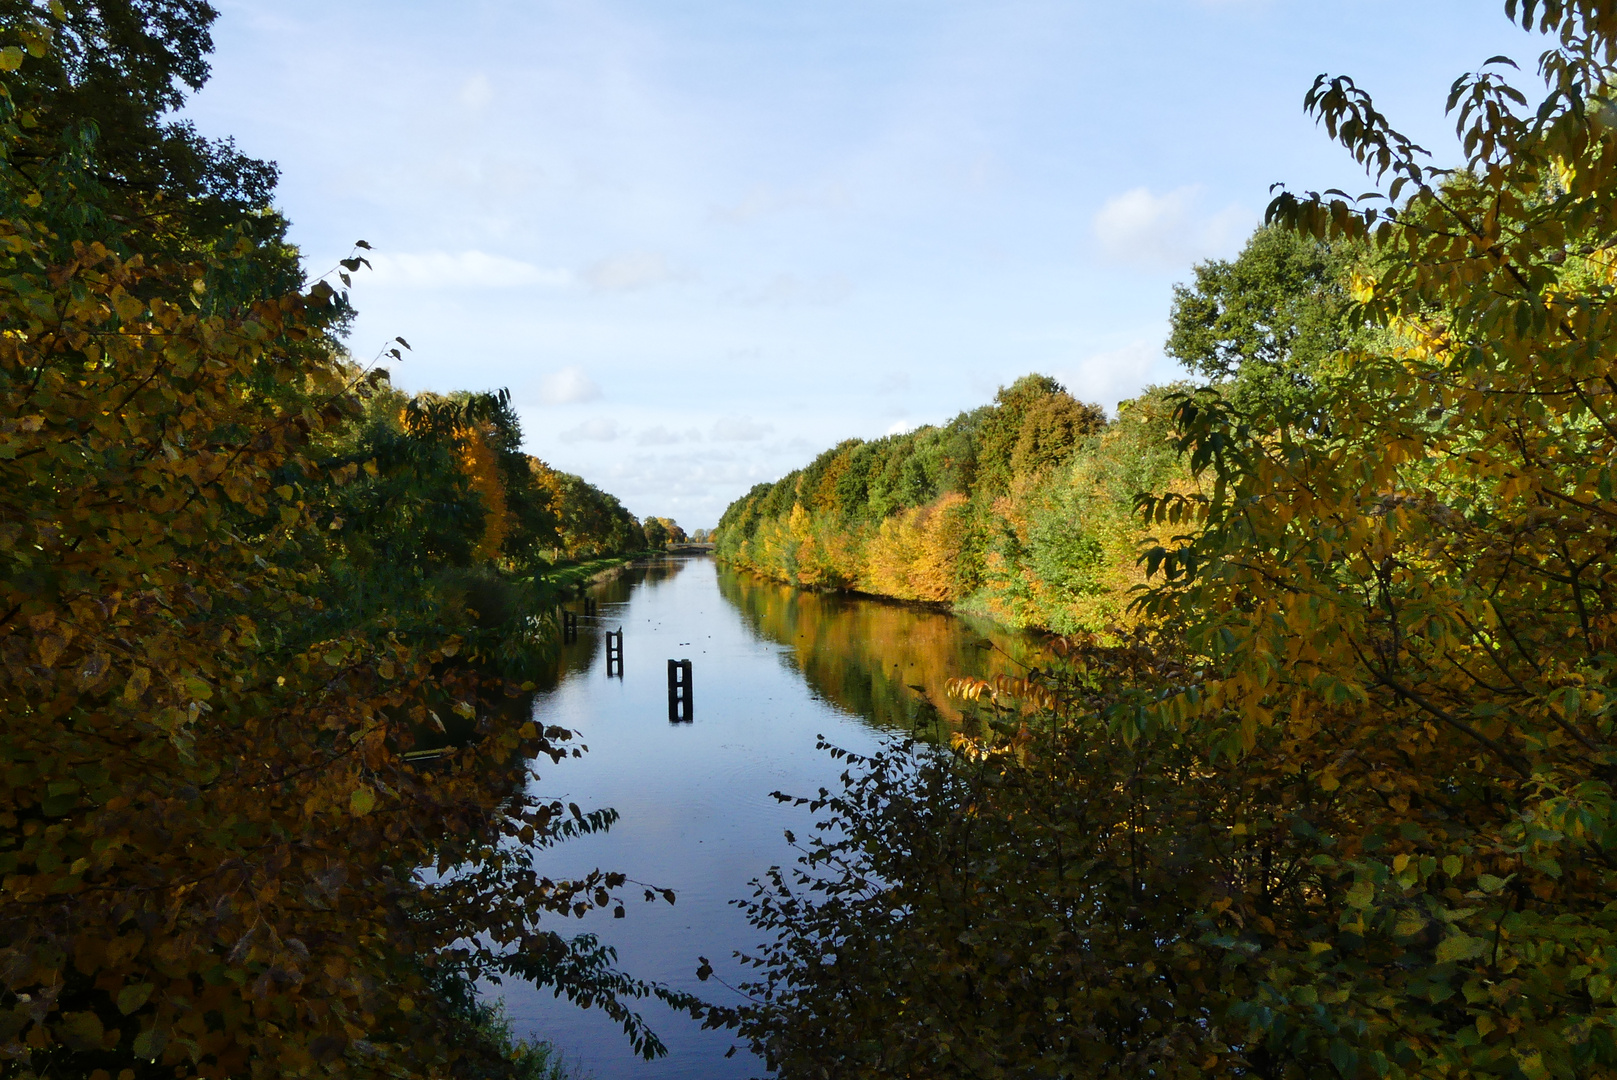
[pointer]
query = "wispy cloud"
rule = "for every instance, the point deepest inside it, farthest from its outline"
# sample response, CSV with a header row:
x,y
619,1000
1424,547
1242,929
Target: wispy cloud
x,y
1109,376
568,387
459,270
631,271
789,290
1167,230
476,92
739,429
600,429
661,436
763,201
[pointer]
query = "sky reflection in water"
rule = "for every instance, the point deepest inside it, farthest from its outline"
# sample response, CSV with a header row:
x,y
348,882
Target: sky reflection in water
x,y
773,668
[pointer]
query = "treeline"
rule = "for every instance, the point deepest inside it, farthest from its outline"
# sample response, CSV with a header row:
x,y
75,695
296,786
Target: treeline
x,y
1340,803
1021,510
263,623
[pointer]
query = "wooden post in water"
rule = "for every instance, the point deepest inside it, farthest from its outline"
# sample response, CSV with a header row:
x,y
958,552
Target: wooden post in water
x,y
679,692
614,653
589,606
569,627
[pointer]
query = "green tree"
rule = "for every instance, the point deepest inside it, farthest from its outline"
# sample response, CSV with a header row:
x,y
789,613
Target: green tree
x,y
1267,324
1388,852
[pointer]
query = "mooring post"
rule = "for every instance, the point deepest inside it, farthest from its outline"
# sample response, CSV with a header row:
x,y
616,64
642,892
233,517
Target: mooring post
x,y
589,606
679,692
569,627
614,653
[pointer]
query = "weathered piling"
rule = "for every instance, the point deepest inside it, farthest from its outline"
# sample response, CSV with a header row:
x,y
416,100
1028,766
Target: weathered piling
x,y
679,692
569,627
614,653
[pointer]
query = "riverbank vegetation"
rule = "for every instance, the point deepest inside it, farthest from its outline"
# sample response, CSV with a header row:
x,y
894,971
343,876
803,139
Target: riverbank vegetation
x,y
1340,802
1022,510
245,584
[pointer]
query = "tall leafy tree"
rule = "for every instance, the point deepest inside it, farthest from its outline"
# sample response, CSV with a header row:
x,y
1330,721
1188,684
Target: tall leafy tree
x,y
1266,324
1389,854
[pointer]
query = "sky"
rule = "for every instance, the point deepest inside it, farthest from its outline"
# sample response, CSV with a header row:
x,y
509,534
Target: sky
x,y
701,241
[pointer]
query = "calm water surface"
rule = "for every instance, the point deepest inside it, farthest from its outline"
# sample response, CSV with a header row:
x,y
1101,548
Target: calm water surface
x,y
772,669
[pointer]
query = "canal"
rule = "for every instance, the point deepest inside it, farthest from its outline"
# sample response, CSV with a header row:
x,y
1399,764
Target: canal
x,y
773,668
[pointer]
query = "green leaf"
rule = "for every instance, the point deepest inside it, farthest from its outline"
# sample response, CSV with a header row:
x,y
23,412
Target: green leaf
x,y
1460,947
133,997
362,801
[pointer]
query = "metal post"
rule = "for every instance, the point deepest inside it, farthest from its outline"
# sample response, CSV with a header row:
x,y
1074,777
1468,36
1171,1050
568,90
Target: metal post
x,y
679,692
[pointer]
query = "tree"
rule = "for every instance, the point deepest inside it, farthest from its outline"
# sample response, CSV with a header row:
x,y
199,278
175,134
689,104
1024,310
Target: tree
x,y
212,815
1268,323
656,534
1388,854
1411,608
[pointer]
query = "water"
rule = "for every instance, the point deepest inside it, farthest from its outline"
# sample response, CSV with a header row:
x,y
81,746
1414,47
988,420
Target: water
x,y
773,668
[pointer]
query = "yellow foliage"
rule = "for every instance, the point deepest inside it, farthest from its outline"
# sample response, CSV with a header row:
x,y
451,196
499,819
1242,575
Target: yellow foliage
x,y
477,458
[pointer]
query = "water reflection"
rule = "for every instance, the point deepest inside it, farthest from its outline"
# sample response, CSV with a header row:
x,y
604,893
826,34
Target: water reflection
x,y
883,661
773,669
611,598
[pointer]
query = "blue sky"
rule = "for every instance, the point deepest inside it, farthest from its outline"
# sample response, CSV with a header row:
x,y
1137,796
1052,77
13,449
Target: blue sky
x,y
700,241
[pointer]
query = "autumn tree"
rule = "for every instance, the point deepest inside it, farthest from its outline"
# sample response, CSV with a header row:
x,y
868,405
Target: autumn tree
x,y
220,852
1388,853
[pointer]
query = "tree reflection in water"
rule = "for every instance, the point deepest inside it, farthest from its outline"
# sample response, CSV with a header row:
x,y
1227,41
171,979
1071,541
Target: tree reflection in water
x,y
881,660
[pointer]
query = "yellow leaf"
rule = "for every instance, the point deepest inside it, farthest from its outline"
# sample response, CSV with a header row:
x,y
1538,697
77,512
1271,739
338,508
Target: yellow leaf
x,y
10,58
139,679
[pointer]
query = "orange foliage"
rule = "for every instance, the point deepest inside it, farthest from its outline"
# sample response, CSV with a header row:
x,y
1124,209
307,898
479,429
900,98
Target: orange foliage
x,y
477,458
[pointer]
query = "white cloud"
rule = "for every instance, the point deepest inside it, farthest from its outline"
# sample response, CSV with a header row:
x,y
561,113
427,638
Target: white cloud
x,y
762,201
661,436
635,270
476,92
568,387
740,429
600,429
1168,230
1108,377
901,426
459,270
787,290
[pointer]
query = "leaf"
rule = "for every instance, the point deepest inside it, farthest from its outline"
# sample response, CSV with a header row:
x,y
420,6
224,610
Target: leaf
x,y
10,58
362,801
1459,947
81,1031
136,684
133,996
